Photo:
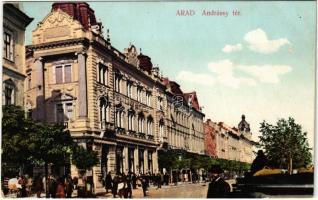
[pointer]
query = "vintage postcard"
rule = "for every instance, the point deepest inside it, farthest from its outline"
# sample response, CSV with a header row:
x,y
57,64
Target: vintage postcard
x,y
158,99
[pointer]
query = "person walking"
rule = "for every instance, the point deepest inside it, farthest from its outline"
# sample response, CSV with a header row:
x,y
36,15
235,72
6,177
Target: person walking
x,y
129,186
108,182
134,180
52,186
60,189
38,186
158,179
22,181
115,185
144,184
69,186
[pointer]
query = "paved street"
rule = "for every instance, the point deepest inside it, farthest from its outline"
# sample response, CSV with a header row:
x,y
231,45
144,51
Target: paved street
x,y
183,190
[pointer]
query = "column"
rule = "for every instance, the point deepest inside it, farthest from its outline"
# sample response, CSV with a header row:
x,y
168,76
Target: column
x,y
146,160
111,162
155,161
40,88
82,84
126,160
136,160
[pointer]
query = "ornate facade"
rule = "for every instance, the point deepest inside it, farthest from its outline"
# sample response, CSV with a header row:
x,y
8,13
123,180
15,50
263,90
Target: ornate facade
x,y
229,143
112,102
14,24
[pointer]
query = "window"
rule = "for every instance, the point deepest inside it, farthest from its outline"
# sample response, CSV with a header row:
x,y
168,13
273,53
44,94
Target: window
x,y
29,81
159,104
63,74
117,83
64,111
129,89
103,74
141,124
119,116
8,46
104,110
161,130
9,92
148,98
139,94
131,119
149,126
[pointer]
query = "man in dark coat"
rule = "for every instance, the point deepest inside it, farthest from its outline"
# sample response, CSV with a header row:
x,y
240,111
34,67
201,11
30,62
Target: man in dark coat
x,y
134,180
108,182
115,185
218,188
259,162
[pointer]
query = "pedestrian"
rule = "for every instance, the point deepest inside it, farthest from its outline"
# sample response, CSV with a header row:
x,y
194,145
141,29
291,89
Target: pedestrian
x,y
144,184
158,179
69,186
259,162
38,186
22,181
218,188
115,185
175,178
81,186
52,186
29,183
134,180
108,182
121,186
60,188
129,186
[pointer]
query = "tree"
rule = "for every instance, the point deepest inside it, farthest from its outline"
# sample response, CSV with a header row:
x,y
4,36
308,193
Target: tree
x,y
84,159
27,142
16,130
285,144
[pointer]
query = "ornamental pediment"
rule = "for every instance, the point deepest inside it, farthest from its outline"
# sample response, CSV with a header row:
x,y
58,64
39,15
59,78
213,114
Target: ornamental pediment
x,y
57,25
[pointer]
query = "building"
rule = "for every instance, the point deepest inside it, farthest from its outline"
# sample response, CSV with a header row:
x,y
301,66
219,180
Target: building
x,y
112,102
184,119
210,138
230,143
13,61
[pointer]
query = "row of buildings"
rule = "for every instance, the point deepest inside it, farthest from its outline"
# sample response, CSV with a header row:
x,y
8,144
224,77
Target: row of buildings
x,y
112,102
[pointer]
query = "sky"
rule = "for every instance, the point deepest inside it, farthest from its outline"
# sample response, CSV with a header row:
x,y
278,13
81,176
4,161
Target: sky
x,y
260,63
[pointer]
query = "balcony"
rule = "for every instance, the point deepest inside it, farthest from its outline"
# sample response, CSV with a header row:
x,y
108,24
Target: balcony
x,y
64,124
106,126
151,137
132,133
121,131
142,135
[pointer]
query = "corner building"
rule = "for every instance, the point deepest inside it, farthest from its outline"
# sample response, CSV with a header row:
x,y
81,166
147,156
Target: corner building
x,y
13,61
112,102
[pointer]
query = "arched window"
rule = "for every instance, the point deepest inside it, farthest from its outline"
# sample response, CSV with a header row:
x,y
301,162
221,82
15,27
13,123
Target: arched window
x,y
131,118
141,119
119,116
149,125
103,110
161,128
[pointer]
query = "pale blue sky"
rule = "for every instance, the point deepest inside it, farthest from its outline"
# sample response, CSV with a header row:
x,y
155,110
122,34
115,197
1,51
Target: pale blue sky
x,y
186,45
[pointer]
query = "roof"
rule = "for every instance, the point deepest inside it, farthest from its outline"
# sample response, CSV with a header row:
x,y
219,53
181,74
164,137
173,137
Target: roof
x,y
193,99
80,11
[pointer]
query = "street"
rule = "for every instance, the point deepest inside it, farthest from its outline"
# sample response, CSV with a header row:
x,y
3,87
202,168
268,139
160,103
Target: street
x,y
182,190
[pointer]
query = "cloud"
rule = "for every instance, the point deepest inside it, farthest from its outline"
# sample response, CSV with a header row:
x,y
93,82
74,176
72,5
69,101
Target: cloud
x,y
232,48
224,69
258,42
266,73
196,78
233,75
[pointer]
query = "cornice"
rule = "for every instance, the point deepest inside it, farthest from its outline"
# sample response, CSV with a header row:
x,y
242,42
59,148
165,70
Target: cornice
x,y
61,43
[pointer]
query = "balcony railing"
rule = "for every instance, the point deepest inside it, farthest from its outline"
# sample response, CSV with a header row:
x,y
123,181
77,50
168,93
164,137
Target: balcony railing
x,y
121,131
106,125
142,135
151,137
132,133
